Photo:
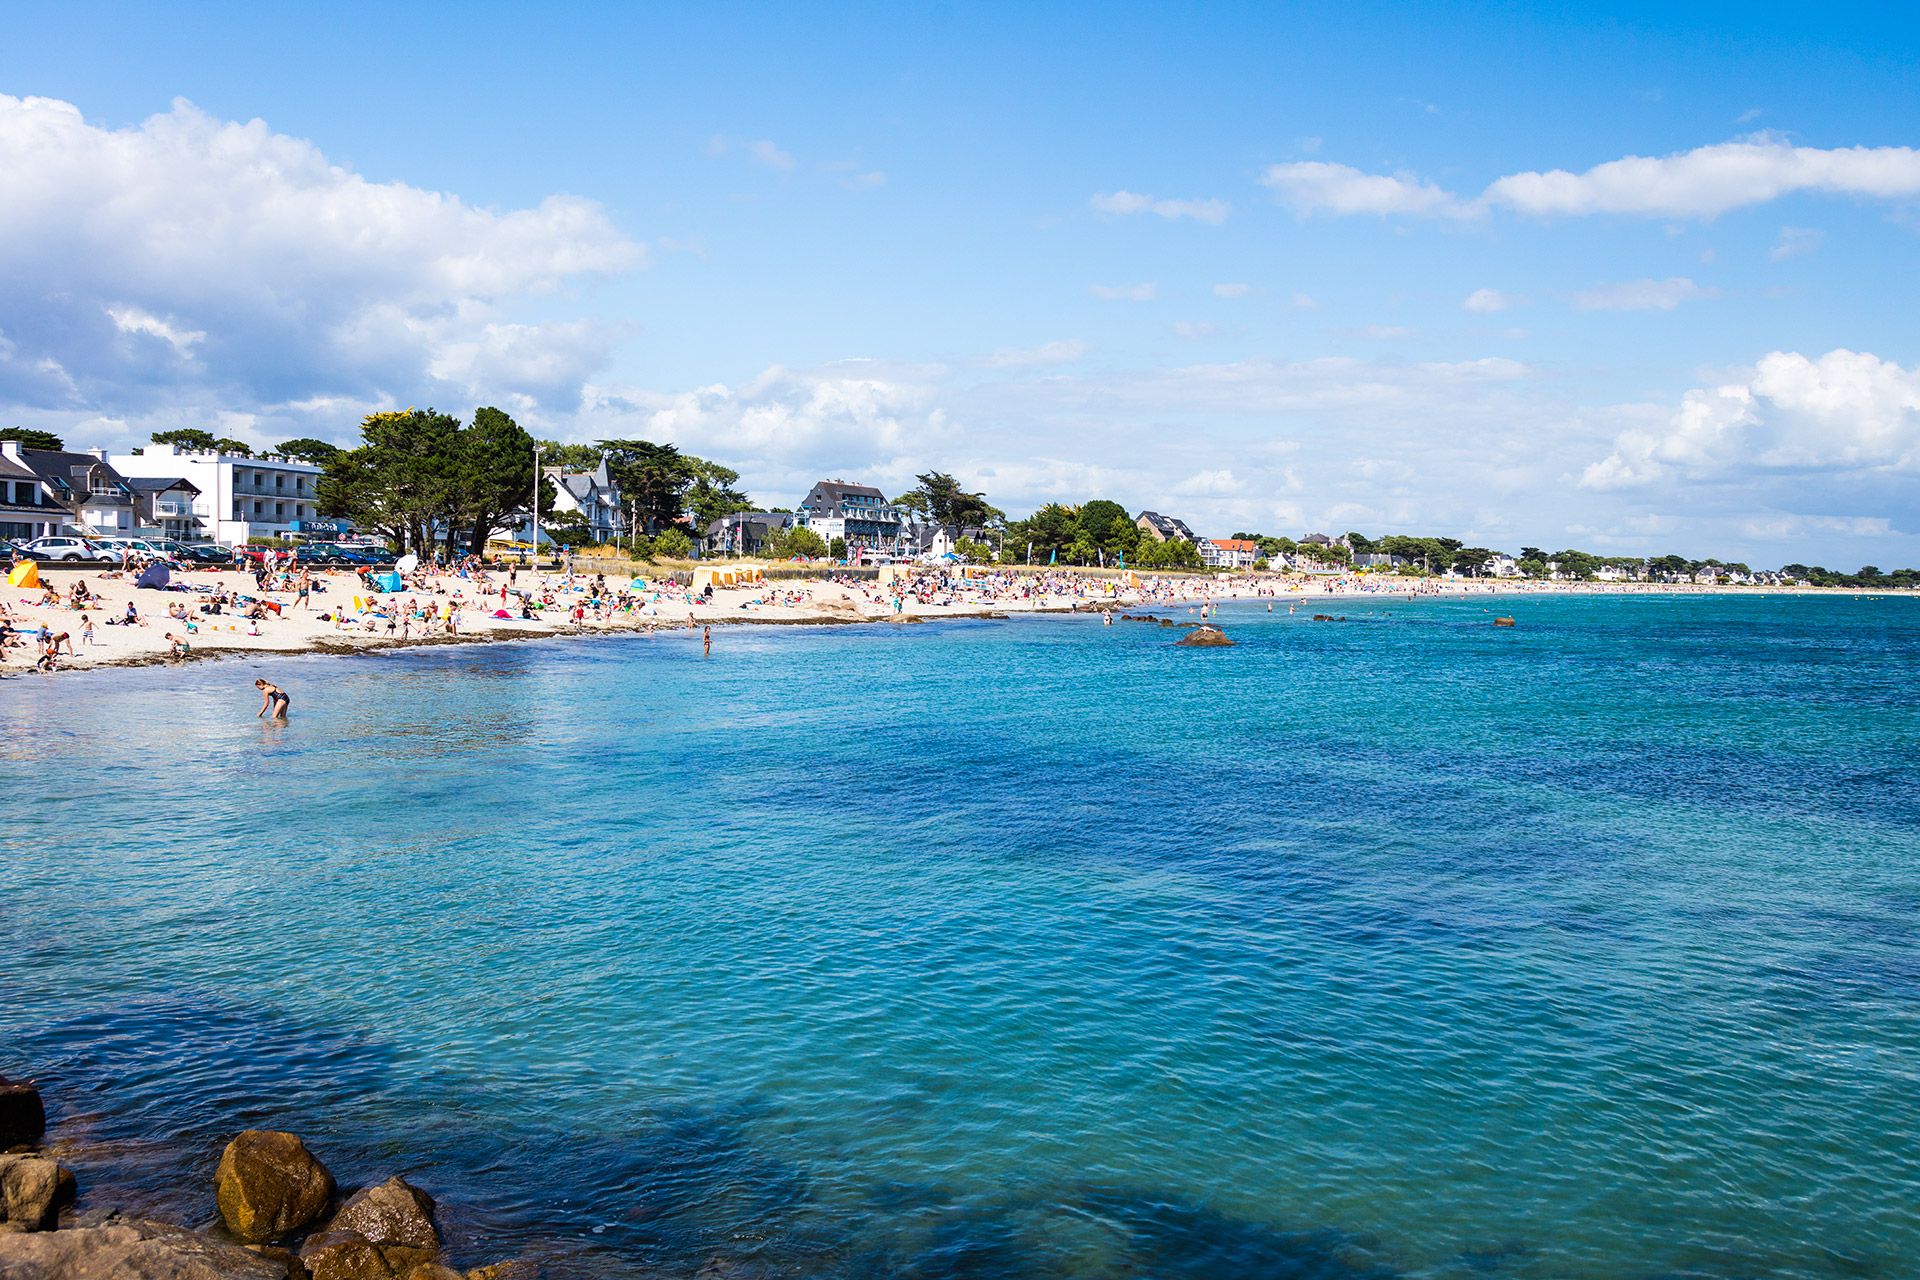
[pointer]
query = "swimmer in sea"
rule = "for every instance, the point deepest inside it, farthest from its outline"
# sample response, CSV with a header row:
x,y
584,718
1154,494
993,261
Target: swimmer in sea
x,y
273,701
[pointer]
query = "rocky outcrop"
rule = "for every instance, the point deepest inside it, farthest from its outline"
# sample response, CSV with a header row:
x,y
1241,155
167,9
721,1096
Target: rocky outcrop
x,y
1205,638
23,1118
269,1185
33,1190
129,1249
383,1231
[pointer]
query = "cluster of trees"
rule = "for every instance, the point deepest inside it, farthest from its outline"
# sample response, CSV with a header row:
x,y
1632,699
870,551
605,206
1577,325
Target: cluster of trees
x,y
1096,532
418,474
940,499
1870,576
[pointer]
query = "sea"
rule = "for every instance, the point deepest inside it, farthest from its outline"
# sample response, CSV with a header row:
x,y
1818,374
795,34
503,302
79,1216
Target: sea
x,y
1398,945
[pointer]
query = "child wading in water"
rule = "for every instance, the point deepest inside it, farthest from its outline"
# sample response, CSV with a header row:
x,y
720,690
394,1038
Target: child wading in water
x,y
273,701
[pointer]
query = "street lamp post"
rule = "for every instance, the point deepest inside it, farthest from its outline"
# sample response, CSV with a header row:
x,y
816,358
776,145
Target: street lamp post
x,y
537,451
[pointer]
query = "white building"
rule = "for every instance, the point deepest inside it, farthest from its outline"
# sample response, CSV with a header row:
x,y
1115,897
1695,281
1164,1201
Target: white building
x,y
1501,565
1228,553
239,497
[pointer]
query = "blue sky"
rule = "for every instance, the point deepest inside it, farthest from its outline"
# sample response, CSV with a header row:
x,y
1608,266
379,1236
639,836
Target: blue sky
x,y
1279,268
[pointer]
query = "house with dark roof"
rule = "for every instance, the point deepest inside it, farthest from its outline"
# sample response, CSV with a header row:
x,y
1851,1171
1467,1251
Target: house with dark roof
x,y
27,506
744,533
858,513
594,495
95,495
165,503
1165,528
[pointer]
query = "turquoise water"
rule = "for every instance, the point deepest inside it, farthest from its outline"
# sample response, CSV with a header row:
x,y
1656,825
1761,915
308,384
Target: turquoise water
x,y
1398,947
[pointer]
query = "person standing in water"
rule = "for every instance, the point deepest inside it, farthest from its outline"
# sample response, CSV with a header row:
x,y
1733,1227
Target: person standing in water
x,y
706,638
273,701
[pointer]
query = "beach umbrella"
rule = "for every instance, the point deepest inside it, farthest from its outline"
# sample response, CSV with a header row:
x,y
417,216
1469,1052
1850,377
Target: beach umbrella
x,y
407,563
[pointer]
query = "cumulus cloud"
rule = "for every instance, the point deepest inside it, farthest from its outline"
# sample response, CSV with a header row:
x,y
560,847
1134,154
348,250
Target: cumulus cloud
x,y
1487,302
188,261
1120,203
1641,295
1062,351
1845,412
1795,241
1702,183
1315,186
1146,292
789,426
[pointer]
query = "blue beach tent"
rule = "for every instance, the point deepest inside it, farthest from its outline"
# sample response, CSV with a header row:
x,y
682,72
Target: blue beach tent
x,y
389,582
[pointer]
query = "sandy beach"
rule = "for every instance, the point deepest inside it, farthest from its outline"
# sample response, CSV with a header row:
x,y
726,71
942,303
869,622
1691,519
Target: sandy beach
x,y
342,615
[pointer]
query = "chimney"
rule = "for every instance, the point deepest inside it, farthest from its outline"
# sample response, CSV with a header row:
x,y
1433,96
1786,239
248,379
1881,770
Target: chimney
x,y
10,449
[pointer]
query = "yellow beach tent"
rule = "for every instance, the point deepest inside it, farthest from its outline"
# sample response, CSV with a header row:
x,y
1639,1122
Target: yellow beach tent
x,y
24,574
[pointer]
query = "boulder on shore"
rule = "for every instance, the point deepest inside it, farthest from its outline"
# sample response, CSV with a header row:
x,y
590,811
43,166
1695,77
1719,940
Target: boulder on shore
x,y
269,1185
348,1255
1205,638
395,1214
117,1248
33,1190
23,1118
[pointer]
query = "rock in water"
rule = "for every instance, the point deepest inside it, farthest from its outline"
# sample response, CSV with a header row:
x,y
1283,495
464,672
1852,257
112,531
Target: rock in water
x,y
348,1255
23,1119
33,1190
269,1185
1205,638
396,1217
129,1248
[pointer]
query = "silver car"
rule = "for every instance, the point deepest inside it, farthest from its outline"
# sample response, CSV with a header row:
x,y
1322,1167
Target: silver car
x,y
64,549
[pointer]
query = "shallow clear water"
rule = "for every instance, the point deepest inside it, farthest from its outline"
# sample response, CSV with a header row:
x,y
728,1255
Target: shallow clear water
x,y
1402,946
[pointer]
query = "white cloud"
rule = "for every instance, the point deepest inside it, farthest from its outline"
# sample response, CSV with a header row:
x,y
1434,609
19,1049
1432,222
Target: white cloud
x,y
1306,302
1232,290
1063,351
1795,241
787,427
1194,329
1121,203
1146,292
1709,181
1703,183
1315,186
1641,295
1848,412
1490,301
766,152
1383,332
134,320
288,279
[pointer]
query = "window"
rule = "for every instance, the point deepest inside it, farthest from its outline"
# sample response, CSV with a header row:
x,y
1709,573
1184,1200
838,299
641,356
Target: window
x,y
256,508
279,482
279,509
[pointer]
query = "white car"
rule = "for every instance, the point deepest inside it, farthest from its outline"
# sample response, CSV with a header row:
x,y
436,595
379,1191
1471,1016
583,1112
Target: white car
x,y
64,549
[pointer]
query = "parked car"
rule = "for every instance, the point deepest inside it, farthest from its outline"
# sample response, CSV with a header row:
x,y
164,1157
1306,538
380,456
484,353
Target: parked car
x,y
112,545
189,553
64,548
332,553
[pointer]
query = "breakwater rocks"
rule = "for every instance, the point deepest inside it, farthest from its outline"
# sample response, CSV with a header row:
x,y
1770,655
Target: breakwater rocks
x,y
279,1215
